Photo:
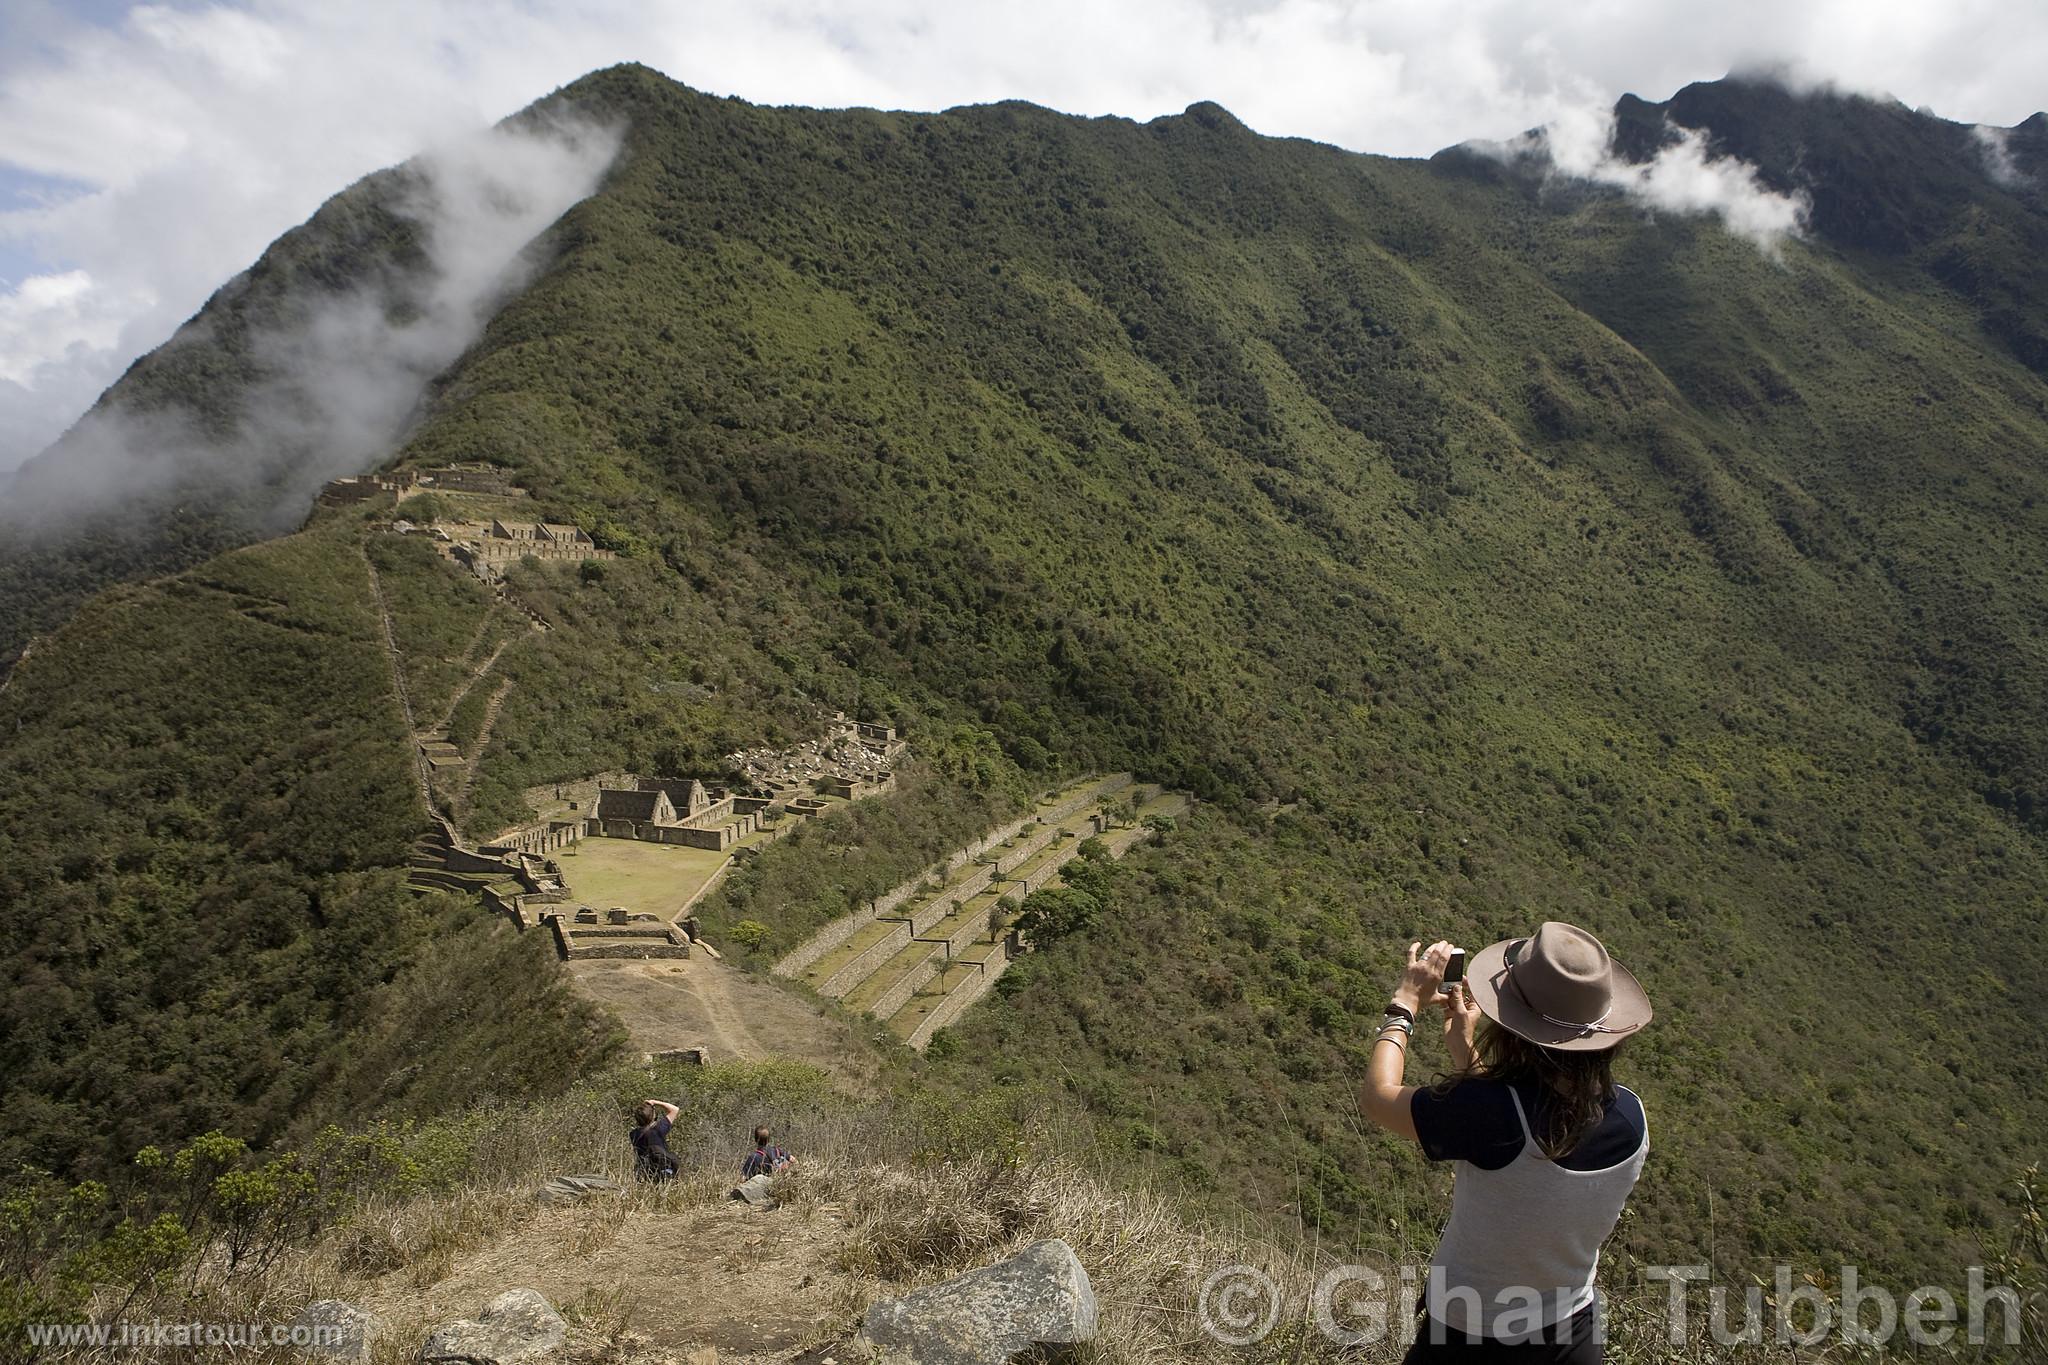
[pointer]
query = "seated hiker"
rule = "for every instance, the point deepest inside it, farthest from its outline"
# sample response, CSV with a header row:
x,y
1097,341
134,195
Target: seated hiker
x,y
652,1159
765,1159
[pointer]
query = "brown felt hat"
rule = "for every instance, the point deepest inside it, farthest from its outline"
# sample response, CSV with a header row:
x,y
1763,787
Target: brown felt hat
x,y
1559,988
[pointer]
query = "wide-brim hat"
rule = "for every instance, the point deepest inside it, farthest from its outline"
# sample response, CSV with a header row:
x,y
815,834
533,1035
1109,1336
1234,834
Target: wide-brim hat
x,y
1558,987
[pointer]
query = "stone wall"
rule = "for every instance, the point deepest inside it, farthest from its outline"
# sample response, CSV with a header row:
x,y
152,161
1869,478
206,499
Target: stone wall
x,y
925,916
963,995
865,963
972,988
827,940
966,934
629,950
561,938
541,837
1051,815
462,860
835,934
991,875
853,788
716,838
898,995
1036,878
716,811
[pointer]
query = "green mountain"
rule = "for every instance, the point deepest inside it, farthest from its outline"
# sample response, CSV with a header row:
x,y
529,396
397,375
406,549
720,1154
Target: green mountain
x,y
1479,548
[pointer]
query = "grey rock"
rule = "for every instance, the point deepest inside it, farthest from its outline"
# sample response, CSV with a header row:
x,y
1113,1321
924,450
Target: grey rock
x,y
517,1325
571,1189
1039,1297
332,1329
688,1056
755,1190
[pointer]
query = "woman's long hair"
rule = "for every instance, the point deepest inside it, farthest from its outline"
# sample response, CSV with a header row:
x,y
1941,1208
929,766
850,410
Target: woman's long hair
x,y
1581,1084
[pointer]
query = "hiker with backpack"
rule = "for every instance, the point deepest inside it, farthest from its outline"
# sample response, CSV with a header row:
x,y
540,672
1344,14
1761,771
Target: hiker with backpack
x,y
1547,1146
652,1121
758,1169
766,1158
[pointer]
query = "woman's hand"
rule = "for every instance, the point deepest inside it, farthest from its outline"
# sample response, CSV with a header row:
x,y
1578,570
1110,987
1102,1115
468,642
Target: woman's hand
x,y
1461,1018
1423,980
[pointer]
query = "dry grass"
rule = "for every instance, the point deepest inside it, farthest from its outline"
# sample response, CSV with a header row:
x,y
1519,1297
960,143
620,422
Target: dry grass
x,y
862,1216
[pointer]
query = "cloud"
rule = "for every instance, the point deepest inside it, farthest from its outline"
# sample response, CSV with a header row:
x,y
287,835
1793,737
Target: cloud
x,y
339,380
1997,156
194,133
59,311
1683,177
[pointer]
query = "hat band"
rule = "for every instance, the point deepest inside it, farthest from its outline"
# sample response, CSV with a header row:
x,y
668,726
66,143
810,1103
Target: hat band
x,y
1585,1030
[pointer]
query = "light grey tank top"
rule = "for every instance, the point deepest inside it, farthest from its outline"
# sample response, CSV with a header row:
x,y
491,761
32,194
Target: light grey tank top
x,y
1530,1226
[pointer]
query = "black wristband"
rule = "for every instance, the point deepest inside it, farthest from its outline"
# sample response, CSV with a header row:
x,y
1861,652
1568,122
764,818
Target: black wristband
x,y
1401,1010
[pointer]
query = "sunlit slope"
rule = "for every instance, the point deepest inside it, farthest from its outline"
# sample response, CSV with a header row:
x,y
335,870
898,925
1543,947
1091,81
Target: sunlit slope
x,y
1537,558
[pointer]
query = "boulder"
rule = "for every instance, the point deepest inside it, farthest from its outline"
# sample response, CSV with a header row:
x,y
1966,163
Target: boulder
x,y
755,1190
1038,1298
688,1056
517,1325
332,1329
571,1189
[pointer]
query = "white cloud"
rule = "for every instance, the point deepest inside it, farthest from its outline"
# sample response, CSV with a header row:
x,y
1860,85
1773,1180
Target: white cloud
x,y
338,380
205,129
1683,177
53,315
1997,156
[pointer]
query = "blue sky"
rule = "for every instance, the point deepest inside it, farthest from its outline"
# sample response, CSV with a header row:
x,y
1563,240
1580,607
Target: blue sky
x,y
149,152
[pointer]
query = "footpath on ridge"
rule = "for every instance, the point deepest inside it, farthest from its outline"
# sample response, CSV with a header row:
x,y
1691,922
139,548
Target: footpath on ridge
x,y
918,956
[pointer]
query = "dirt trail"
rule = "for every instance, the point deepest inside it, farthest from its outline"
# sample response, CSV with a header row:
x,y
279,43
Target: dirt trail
x,y
483,740
422,775
476,675
738,1016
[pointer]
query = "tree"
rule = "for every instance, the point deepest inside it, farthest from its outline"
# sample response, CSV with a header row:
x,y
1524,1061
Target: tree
x,y
1052,913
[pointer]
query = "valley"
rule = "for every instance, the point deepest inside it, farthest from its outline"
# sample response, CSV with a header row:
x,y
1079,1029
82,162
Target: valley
x,y
1464,547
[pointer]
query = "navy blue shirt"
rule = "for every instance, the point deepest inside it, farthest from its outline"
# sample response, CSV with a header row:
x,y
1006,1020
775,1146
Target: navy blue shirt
x,y
1475,1121
651,1157
763,1161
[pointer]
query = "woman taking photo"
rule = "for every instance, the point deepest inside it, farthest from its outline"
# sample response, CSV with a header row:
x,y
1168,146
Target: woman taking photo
x,y
1547,1146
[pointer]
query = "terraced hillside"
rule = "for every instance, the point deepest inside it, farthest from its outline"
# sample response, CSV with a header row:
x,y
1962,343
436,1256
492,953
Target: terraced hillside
x,y
1474,548
917,956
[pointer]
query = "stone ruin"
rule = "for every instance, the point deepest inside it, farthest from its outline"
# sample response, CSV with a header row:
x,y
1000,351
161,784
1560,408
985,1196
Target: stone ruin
x,y
852,759
585,933
668,810
473,477
485,548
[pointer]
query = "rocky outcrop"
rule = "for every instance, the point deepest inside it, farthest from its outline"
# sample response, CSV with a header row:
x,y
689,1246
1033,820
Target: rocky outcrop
x,y
333,1330
574,1189
1039,1298
516,1326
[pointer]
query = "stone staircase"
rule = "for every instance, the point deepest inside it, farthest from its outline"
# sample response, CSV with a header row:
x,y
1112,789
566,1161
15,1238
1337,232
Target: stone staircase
x,y
439,862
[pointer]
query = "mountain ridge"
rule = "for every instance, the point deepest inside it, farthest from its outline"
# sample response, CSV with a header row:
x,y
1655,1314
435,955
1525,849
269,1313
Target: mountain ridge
x,y
1472,552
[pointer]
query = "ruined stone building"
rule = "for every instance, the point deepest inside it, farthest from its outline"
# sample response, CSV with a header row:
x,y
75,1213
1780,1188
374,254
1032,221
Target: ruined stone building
x,y
365,487
675,811
487,547
472,477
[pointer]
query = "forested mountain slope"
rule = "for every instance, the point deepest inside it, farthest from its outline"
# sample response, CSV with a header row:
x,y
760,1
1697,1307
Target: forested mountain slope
x,y
1480,548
